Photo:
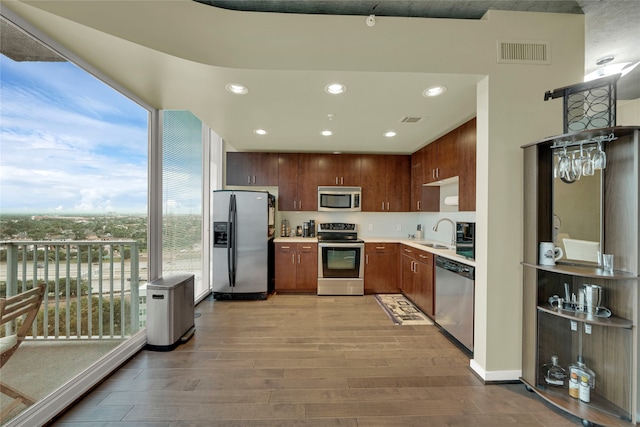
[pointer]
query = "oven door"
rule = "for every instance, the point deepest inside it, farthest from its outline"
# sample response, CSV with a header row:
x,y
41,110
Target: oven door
x,y
340,260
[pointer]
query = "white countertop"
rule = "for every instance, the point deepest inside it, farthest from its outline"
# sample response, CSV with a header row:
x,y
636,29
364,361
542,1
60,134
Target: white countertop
x,y
418,244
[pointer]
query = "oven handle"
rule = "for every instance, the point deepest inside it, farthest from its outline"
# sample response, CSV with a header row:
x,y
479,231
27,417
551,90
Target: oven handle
x,y
341,245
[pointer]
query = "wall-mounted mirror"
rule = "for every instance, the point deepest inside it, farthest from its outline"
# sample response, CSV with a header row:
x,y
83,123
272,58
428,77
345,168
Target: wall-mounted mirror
x,y
577,227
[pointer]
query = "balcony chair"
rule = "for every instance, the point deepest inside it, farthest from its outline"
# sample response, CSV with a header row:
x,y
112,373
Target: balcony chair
x,y
25,304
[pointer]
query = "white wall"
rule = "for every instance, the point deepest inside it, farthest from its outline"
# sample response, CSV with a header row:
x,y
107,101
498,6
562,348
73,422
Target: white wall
x,y
628,113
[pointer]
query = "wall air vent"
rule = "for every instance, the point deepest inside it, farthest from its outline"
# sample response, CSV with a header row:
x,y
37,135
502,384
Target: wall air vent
x,y
409,119
524,52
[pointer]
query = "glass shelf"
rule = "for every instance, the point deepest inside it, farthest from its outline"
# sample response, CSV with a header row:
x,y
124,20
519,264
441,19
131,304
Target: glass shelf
x,y
584,271
613,321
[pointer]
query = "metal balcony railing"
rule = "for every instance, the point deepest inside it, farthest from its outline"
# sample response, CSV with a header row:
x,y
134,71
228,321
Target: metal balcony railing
x,y
92,286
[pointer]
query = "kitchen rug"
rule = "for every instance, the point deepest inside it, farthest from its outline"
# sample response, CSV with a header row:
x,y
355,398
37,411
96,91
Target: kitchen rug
x,y
402,311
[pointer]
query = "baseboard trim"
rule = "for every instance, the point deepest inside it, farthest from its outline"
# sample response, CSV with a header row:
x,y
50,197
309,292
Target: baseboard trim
x,y
52,405
494,376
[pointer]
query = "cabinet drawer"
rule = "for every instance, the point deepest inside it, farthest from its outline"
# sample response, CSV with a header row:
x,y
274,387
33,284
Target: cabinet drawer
x,y
307,247
381,247
285,247
423,256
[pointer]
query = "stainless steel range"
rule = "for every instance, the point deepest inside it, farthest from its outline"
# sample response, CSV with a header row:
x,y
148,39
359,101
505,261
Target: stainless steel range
x,y
340,259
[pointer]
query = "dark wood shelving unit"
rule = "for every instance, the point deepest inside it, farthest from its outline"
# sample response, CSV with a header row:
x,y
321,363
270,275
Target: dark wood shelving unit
x,y
609,345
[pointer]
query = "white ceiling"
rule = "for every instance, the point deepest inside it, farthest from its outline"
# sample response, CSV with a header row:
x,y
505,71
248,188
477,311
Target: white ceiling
x,y
290,102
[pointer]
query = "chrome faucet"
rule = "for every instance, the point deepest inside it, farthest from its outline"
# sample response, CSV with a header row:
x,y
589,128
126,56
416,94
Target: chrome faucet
x,y
453,229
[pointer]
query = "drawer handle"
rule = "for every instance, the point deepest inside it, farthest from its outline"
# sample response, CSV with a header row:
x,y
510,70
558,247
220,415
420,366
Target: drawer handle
x,y
306,247
286,247
379,247
423,256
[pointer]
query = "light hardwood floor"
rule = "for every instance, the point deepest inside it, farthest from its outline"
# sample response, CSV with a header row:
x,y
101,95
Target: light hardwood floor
x,y
306,360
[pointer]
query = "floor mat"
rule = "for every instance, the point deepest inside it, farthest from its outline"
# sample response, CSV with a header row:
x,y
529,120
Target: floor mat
x,y
402,311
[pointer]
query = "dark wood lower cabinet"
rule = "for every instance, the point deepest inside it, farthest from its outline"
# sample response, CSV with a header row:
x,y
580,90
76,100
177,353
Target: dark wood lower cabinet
x,y
381,272
417,278
296,267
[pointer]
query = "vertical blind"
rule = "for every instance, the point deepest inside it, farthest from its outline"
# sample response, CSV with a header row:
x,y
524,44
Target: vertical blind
x,y
182,178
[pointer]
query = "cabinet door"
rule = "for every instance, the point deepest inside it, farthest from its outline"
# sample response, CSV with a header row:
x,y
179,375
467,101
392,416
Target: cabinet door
x,y
307,274
328,169
285,264
239,168
447,156
467,165
307,182
408,274
381,268
430,162
287,181
252,168
398,183
417,179
265,169
350,164
424,282
373,171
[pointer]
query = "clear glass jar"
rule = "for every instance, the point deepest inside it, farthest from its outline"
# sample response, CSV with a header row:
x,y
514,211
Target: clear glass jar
x,y
555,375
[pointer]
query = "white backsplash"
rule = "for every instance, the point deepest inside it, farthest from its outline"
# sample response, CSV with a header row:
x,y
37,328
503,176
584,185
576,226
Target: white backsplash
x,y
383,224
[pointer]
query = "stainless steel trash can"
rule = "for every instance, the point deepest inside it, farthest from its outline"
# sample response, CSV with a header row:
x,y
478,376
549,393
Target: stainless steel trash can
x,y
170,312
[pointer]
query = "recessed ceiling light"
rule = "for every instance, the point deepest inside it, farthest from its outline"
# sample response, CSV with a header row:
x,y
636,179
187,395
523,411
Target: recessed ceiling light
x,y
260,131
434,91
390,134
335,88
326,133
237,88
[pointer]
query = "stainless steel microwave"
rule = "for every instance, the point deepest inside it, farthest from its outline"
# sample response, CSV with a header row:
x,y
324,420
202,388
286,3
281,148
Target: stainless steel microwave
x,y
339,199
466,239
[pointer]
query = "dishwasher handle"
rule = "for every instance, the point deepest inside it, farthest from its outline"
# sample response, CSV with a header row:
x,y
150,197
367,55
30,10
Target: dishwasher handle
x,y
458,268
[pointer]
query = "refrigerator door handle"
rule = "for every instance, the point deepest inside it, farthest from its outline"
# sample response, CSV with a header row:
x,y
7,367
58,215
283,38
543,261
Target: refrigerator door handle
x,y
234,248
229,242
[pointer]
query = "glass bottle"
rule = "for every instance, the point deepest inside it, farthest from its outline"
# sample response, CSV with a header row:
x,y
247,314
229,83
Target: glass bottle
x,y
576,372
555,375
585,388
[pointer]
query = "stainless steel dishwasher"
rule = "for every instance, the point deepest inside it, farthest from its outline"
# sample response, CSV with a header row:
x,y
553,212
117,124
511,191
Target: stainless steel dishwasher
x,y
454,299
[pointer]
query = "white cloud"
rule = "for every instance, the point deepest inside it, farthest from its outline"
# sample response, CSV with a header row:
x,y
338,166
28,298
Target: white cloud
x,y
64,149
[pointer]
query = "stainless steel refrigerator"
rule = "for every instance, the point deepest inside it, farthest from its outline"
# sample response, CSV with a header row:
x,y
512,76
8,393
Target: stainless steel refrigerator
x,y
243,249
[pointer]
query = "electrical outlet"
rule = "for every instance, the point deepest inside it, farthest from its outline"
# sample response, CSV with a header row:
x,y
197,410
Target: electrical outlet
x,y
574,325
399,227
587,328
370,227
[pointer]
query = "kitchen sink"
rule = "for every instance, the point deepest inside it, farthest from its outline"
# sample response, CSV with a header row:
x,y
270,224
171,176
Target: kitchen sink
x,y
435,245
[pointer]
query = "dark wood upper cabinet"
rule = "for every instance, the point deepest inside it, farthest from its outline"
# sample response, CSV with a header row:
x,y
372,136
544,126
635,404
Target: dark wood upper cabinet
x,y
390,183
339,169
441,158
297,182
252,168
287,181
467,166
373,177
385,182
398,183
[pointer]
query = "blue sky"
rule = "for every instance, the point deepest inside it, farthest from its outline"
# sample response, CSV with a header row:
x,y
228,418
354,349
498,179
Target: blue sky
x,y
68,142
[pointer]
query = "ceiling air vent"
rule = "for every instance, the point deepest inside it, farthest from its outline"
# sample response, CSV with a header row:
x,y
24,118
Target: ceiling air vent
x,y
409,119
524,52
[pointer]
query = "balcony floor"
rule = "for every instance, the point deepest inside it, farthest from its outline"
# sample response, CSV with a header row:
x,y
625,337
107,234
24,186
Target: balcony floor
x,y
303,360
39,367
